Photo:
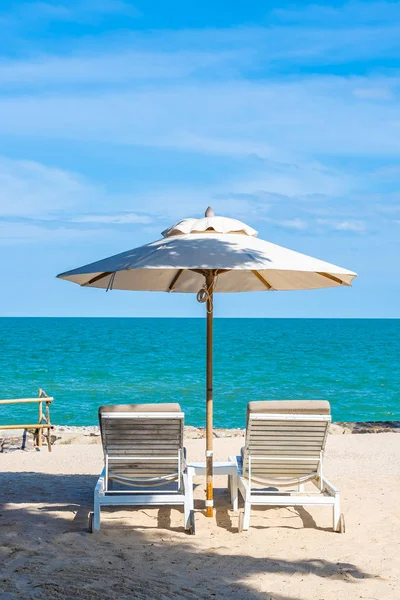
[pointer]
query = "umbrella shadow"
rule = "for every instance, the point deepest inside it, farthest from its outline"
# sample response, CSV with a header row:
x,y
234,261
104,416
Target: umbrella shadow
x,y
48,551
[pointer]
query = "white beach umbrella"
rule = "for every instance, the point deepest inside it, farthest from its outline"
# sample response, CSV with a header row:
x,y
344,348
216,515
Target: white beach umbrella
x,y
205,256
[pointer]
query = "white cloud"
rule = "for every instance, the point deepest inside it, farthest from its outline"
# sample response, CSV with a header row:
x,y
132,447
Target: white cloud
x,y
297,224
112,219
262,198
345,226
352,12
80,11
374,93
389,209
36,198
31,189
356,226
387,172
184,91
125,55
12,233
313,116
118,67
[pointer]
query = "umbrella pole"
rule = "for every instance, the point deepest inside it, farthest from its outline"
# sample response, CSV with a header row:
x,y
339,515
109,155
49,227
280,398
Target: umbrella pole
x,y
209,396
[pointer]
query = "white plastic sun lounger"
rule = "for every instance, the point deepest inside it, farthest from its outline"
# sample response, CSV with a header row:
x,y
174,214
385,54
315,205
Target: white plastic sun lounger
x,y
144,460
285,443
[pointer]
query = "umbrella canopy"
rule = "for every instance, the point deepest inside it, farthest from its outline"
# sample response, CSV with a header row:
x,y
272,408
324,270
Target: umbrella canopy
x,y
204,256
243,262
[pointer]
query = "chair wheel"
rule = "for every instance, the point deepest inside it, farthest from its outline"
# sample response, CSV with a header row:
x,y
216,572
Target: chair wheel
x,y
241,521
342,524
192,523
90,524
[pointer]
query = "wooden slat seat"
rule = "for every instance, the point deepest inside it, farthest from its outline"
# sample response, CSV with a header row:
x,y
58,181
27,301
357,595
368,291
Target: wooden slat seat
x,y
143,448
285,442
136,430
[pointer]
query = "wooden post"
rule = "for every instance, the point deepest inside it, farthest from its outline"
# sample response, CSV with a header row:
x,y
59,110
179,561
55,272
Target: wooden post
x,y
43,420
42,394
40,417
209,398
48,423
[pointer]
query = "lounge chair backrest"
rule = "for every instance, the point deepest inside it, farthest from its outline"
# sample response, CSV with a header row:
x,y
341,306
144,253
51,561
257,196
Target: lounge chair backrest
x,y
143,443
285,440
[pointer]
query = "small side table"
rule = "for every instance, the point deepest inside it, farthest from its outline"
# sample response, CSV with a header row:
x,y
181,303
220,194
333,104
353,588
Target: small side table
x,y
221,468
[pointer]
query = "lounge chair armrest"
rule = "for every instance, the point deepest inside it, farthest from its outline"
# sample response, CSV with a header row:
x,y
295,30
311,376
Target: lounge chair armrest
x,y
329,487
234,459
190,471
237,460
100,485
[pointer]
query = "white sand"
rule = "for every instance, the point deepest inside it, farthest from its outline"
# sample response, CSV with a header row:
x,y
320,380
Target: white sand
x,y
46,552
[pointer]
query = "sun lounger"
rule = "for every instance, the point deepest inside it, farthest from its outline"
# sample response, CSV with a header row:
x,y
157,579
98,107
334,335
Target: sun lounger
x,y
144,460
285,442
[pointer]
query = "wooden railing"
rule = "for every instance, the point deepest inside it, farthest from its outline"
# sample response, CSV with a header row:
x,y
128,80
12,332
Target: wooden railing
x,y
43,417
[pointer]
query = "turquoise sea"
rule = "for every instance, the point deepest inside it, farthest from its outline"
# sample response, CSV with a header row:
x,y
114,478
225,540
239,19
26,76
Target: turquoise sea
x,y
85,362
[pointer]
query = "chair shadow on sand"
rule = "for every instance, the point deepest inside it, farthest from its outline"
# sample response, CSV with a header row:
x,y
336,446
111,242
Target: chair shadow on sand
x,y
52,550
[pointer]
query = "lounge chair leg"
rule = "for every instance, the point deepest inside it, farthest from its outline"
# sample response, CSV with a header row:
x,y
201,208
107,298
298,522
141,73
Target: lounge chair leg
x,y
336,514
246,518
188,506
233,486
96,514
186,514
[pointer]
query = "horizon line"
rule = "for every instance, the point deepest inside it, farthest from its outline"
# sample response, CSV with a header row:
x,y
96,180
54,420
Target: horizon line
x,y
194,317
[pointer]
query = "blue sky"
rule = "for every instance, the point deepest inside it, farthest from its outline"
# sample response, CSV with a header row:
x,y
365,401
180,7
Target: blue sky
x,y
117,119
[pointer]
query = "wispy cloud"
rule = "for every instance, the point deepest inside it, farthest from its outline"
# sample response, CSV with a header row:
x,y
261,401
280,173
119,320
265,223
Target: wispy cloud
x,y
309,199
112,219
256,98
377,90
372,13
311,38
297,224
345,226
29,188
314,116
111,68
36,198
354,226
79,11
311,225
27,233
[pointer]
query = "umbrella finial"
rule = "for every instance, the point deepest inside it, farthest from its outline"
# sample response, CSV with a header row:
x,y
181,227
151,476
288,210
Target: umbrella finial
x,y
209,212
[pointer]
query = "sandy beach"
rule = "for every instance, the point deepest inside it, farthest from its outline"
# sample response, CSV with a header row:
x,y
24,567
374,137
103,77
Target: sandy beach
x,y
288,554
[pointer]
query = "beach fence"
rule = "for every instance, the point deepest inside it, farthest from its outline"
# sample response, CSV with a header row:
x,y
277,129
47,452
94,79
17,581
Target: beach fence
x,y
43,425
